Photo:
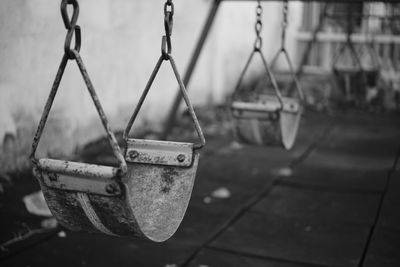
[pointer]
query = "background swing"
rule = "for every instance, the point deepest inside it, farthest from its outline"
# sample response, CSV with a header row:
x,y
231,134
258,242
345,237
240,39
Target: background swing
x,y
147,199
258,116
371,63
351,73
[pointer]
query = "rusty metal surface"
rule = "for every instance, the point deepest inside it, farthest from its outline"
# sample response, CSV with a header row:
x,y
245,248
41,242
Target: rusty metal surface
x,y
158,196
159,152
152,205
113,212
77,168
106,187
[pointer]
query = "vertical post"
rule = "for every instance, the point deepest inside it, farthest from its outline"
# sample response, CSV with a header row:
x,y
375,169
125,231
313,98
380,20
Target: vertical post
x,y
192,64
310,44
306,54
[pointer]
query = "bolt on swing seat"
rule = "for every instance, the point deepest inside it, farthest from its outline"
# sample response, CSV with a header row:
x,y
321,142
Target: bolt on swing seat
x,y
262,118
146,199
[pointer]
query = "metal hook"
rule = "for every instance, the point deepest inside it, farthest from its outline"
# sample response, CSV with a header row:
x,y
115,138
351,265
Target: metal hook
x,y
69,24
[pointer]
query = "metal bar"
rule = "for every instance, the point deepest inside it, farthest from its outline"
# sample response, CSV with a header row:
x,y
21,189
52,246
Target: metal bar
x,y
341,37
195,56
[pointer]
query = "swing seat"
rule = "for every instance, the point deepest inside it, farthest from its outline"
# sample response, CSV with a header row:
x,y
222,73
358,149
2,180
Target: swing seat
x,y
350,81
262,122
372,76
148,202
159,184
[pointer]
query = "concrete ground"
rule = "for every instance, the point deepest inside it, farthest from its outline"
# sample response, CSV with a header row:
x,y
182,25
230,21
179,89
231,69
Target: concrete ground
x,y
334,200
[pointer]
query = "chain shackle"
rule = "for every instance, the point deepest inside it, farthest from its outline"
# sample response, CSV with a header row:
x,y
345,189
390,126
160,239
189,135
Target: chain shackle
x,y
166,46
70,25
169,7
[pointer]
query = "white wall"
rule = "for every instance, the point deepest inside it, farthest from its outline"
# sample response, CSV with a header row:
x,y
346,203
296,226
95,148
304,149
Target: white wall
x,y
120,45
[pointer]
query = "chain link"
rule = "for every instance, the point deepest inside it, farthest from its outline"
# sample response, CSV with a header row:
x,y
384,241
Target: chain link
x,y
285,12
166,46
72,27
258,27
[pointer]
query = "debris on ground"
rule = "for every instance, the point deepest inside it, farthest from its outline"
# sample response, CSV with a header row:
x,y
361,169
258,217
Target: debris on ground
x,y
285,172
62,234
234,145
36,204
221,193
50,223
207,200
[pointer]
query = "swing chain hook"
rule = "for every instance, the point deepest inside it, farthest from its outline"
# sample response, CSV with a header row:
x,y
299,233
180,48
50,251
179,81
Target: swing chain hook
x,y
166,47
258,27
73,29
285,12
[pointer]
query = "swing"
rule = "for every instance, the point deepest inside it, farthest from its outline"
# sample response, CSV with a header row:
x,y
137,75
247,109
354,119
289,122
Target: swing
x,y
161,174
118,201
349,77
262,118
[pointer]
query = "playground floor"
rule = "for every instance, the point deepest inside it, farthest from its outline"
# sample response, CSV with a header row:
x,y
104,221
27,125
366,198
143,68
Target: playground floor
x,y
334,200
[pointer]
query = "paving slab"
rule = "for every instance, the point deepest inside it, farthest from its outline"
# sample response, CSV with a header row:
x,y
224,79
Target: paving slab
x,y
80,249
336,178
214,258
319,206
384,249
344,160
295,240
361,141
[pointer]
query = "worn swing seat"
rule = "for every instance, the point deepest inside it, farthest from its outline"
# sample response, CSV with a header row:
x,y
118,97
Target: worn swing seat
x,y
263,122
261,118
160,174
145,199
159,181
148,202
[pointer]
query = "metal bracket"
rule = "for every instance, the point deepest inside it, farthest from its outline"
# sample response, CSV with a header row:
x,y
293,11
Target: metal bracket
x,y
80,177
159,152
266,104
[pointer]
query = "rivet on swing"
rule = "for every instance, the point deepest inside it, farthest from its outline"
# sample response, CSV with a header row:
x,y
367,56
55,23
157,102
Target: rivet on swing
x,y
181,158
133,154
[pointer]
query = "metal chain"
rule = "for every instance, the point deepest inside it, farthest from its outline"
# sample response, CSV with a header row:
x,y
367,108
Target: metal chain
x,y
166,46
71,26
285,12
258,27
